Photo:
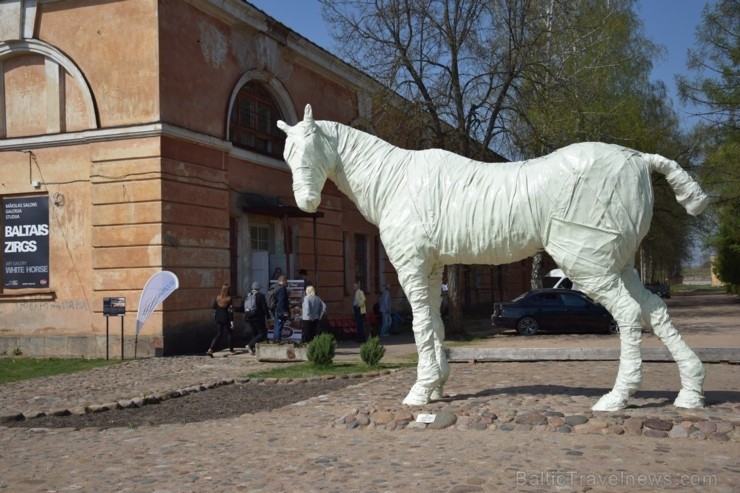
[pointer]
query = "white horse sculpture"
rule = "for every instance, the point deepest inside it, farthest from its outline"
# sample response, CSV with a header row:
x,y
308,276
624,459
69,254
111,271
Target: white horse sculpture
x,y
587,205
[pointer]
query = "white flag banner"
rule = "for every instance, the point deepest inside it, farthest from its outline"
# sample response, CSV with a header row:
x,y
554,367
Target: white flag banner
x,y
156,289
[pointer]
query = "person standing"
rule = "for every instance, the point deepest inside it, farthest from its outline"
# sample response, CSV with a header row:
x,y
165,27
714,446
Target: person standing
x,y
385,311
312,312
255,314
358,306
223,315
282,308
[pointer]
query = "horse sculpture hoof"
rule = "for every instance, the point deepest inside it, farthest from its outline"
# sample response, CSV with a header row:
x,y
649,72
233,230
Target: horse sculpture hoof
x,y
415,401
437,394
689,399
417,396
613,401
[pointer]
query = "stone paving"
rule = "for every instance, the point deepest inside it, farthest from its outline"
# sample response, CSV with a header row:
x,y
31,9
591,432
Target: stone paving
x,y
518,426
522,426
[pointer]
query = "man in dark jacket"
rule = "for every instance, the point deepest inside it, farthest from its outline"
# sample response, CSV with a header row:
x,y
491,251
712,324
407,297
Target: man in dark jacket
x,y
258,319
282,311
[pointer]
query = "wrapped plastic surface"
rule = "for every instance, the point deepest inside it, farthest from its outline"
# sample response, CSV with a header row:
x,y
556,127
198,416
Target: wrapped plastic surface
x,y
588,205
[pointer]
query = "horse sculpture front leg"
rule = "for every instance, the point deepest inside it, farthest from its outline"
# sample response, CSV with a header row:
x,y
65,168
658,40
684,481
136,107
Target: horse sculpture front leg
x,y
424,295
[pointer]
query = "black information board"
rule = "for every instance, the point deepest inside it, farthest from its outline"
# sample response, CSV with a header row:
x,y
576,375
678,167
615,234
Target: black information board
x,y
114,307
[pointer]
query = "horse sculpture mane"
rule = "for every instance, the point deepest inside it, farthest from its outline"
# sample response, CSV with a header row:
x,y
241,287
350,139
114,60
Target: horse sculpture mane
x,y
587,205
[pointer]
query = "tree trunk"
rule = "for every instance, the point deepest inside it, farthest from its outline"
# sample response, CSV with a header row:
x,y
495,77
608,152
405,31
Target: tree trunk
x,y
454,328
536,279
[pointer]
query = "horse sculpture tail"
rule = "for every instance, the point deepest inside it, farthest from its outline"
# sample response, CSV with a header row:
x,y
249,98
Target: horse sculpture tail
x,y
688,193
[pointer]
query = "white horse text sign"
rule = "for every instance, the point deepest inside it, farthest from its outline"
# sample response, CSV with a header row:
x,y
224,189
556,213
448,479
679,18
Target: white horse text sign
x,y
587,205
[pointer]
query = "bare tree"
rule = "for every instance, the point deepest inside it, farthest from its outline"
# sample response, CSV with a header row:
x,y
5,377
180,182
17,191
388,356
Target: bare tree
x,y
457,63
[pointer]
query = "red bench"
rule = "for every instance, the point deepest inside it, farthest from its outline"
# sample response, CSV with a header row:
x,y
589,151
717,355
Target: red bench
x,y
344,327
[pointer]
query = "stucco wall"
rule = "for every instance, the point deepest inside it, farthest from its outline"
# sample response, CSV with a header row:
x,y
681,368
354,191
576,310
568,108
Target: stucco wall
x,y
115,45
128,125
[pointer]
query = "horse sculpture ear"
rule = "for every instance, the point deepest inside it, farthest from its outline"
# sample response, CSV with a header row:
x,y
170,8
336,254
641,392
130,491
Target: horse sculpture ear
x,y
283,126
308,114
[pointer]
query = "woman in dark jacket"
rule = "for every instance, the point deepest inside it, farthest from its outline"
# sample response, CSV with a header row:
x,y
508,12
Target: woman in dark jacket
x,y
223,315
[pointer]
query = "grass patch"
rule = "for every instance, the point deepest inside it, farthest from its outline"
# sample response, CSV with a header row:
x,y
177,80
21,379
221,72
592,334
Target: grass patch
x,y
305,370
16,369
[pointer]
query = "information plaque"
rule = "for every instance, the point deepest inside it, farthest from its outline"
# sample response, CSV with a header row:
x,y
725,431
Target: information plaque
x,y
114,307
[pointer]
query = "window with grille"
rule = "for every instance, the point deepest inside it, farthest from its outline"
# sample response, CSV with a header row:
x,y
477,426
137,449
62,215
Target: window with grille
x,y
260,237
254,119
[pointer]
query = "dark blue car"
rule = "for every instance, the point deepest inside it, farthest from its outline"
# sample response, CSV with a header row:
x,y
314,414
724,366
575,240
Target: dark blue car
x,y
556,310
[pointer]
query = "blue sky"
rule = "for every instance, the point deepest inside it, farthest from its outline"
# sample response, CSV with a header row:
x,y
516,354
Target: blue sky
x,y
671,23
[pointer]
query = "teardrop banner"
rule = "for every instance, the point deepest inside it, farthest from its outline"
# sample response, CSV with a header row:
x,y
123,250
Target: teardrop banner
x,y
156,289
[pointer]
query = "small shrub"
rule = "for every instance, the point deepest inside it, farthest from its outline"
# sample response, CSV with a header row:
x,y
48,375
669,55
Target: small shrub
x,y
372,351
17,351
321,349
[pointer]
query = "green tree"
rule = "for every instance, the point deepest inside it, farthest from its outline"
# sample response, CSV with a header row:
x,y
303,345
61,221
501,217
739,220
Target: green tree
x,y
602,92
715,90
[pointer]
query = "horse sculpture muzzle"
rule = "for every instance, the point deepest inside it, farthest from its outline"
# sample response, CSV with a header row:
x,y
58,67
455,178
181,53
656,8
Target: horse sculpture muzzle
x,y
306,200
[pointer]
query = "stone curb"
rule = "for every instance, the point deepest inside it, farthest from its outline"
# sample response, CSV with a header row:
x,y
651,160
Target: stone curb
x,y
550,421
490,354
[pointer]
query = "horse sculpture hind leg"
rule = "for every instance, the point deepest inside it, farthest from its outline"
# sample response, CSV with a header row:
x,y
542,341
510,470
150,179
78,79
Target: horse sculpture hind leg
x,y
610,291
424,295
629,303
655,314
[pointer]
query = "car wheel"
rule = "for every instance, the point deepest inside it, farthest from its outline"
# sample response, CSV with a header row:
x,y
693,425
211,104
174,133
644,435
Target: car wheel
x,y
527,326
613,328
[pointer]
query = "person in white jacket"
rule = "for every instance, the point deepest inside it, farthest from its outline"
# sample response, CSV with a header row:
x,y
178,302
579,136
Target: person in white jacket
x,y
359,309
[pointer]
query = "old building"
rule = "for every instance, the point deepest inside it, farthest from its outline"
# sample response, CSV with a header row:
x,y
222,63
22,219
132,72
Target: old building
x,y
138,136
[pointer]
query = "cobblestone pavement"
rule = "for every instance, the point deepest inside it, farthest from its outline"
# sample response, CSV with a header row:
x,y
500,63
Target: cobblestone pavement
x,y
503,426
520,426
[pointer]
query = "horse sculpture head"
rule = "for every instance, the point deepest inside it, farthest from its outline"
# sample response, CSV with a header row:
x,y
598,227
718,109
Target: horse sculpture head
x,y
310,156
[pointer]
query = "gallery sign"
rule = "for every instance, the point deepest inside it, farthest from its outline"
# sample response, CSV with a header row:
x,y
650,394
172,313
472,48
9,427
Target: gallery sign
x,y
26,242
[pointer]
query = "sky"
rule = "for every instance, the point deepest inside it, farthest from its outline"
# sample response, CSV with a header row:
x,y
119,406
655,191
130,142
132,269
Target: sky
x,y
671,23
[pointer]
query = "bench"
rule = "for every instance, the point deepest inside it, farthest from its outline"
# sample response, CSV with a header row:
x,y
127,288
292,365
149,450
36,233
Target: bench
x,y
343,328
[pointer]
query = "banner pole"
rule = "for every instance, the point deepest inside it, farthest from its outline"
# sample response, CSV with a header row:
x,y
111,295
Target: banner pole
x,y
107,337
122,338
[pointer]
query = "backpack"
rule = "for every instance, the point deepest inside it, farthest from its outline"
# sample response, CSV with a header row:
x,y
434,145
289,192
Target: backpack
x,y
250,305
272,299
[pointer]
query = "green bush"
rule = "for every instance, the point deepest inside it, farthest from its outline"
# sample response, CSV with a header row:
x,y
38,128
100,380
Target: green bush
x,y
321,349
372,351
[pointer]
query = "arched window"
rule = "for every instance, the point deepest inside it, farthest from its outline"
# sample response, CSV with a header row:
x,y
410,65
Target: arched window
x,y
253,122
